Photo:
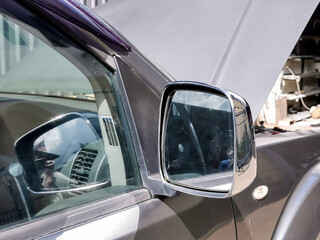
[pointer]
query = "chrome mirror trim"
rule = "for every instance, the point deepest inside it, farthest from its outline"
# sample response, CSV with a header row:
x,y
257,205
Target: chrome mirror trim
x,y
243,172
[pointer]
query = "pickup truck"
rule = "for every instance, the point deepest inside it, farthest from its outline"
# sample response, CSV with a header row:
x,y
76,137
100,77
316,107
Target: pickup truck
x,y
96,141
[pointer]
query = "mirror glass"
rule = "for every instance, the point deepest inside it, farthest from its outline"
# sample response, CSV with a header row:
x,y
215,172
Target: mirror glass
x,y
64,156
245,138
199,141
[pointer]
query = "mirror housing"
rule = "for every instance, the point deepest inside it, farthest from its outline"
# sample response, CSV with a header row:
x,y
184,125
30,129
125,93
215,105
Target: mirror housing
x,y
206,140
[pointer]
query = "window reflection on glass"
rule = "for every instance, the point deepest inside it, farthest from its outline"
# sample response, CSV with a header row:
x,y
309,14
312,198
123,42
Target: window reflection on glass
x,y
24,58
50,161
56,149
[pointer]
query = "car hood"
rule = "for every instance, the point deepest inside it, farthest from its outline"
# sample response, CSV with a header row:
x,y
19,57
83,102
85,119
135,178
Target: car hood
x,y
239,45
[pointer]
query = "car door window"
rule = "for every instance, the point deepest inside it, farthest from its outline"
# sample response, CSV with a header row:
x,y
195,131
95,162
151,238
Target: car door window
x,y
63,133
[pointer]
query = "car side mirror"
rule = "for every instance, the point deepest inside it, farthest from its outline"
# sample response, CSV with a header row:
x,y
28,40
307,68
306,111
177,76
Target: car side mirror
x,y
58,156
206,140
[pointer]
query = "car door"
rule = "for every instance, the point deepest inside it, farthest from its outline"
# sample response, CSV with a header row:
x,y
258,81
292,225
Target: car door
x,y
71,160
66,155
233,35
205,218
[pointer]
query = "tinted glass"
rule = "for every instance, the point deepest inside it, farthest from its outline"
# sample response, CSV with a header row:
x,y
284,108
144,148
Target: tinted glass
x,y
199,137
55,149
63,133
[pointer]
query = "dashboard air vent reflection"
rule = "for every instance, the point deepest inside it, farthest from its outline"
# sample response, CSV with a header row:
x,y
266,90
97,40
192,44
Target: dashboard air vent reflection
x,y
81,168
111,132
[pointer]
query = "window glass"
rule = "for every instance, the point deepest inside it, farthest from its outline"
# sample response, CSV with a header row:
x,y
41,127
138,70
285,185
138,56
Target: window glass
x,y
63,134
28,59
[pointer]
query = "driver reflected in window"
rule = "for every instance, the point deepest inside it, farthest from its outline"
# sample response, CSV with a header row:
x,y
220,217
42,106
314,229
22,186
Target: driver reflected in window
x,y
56,149
45,164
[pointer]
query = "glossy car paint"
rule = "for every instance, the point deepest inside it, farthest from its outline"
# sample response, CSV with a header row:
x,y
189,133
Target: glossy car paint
x,y
79,216
281,163
204,217
302,209
132,223
242,50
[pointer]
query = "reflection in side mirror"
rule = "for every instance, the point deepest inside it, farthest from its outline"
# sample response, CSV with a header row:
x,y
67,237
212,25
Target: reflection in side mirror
x,y
199,140
62,155
207,141
54,149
